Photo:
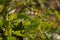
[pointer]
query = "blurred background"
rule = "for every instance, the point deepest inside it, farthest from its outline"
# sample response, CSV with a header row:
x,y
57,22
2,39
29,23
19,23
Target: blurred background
x,y
29,19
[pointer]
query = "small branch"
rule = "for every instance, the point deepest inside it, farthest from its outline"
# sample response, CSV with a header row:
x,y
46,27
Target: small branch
x,y
19,8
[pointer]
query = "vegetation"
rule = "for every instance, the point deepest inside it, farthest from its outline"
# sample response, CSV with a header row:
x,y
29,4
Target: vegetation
x,y
29,19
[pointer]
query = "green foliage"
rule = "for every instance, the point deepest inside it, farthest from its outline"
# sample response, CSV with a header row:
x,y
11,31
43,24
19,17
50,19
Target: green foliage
x,y
2,2
34,21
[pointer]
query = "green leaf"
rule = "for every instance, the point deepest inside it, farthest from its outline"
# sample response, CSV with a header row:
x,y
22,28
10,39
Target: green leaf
x,y
1,8
1,22
0,38
12,17
26,23
11,38
17,33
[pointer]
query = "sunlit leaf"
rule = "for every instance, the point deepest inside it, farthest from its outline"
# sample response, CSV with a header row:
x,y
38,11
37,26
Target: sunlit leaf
x,y
13,16
11,38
